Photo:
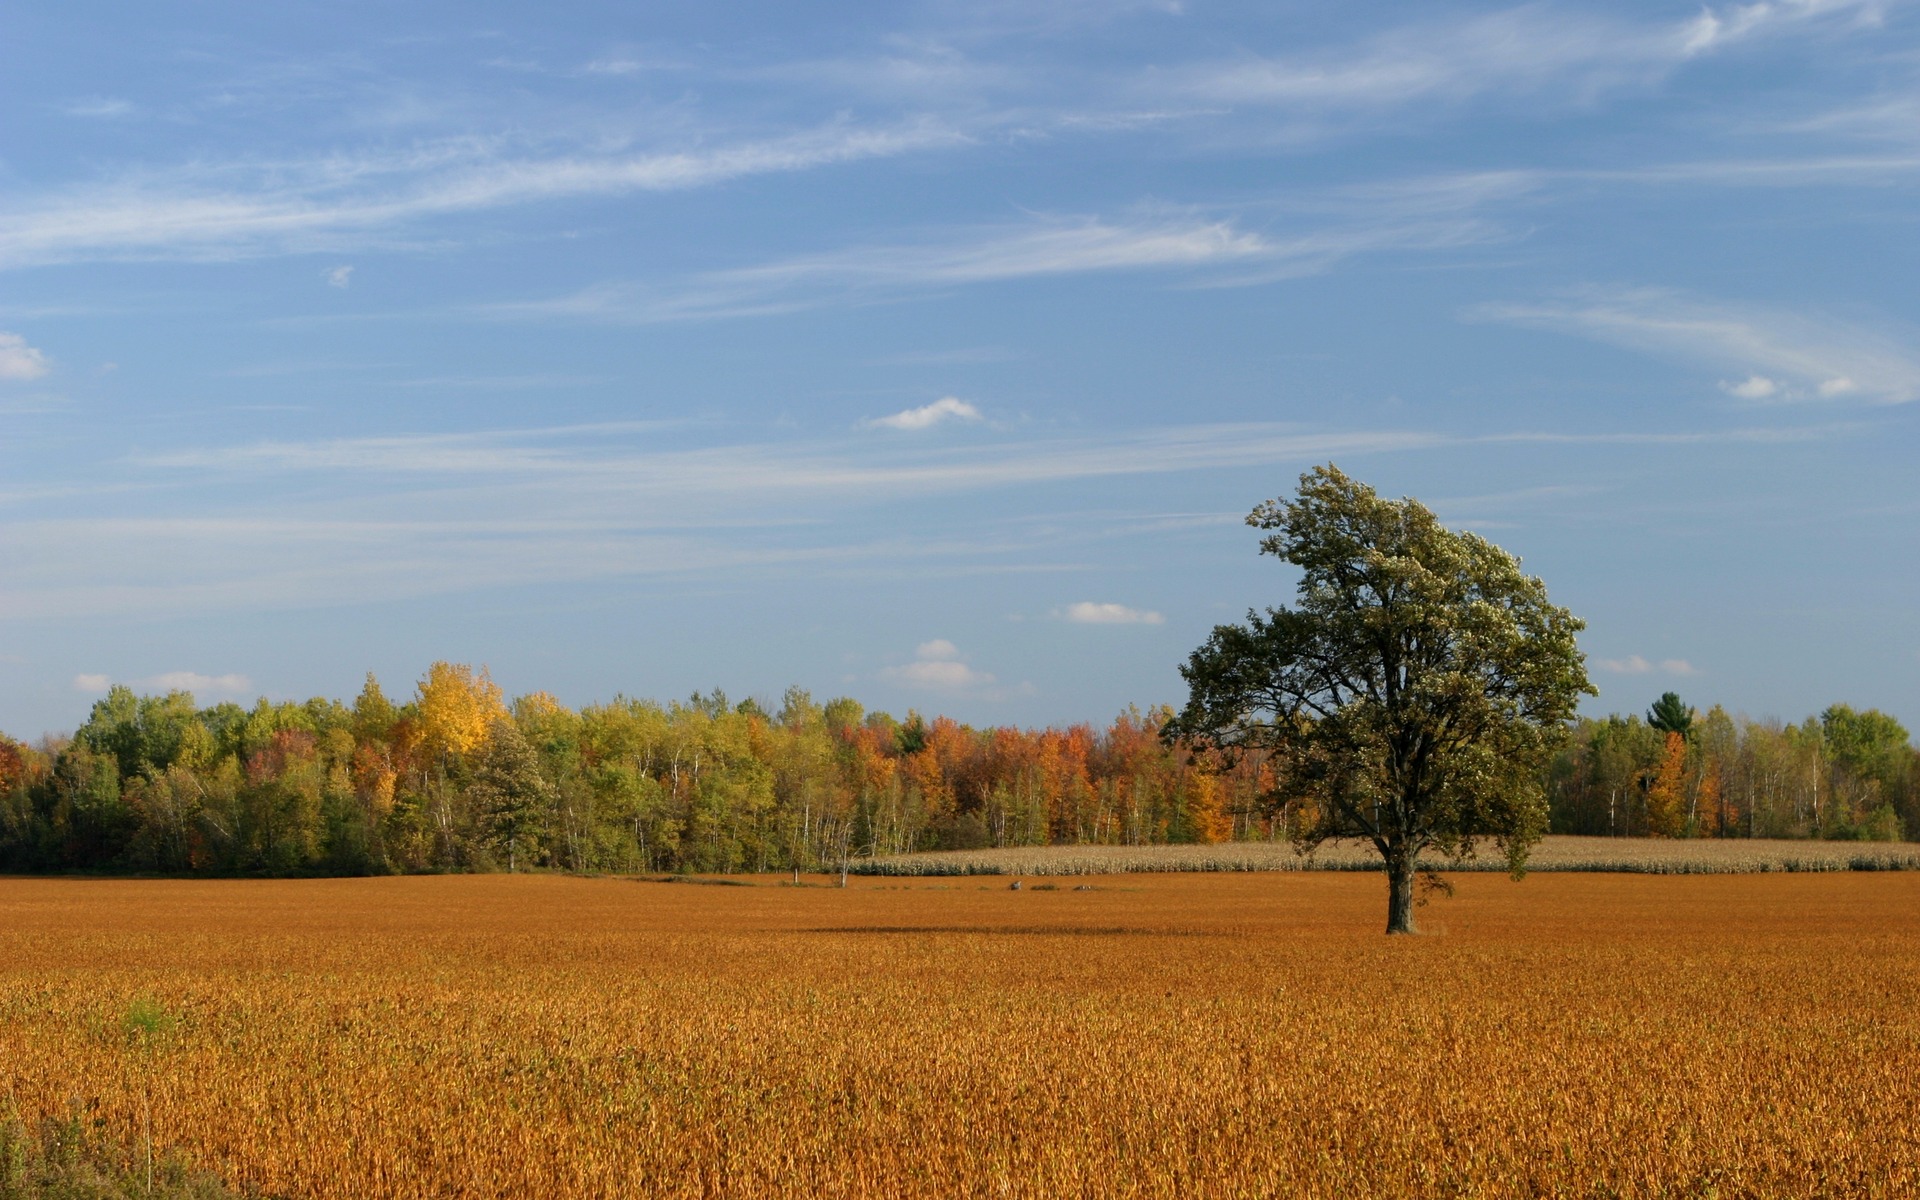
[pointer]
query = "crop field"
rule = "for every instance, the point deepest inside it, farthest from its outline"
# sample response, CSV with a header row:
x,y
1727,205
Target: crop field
x,y
1651,856
1195,1034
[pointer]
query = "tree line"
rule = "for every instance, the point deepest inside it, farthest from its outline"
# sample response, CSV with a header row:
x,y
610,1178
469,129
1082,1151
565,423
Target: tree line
x,y
457,778
1845,774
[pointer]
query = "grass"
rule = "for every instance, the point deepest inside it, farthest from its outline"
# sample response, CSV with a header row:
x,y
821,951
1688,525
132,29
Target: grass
x,y
70,1159
1650,856
1159,1035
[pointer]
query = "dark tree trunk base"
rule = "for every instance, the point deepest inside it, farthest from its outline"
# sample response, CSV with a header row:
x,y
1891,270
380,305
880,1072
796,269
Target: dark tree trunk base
x,y
1400,875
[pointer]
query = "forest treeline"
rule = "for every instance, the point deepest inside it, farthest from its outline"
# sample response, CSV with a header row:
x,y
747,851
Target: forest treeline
x,y
1846,774
456,778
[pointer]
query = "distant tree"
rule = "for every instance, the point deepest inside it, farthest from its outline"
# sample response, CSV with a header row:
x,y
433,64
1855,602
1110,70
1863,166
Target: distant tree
x,y
843,713
458,708
1666,789
511,796
141,732
911,738
1872,757
1670,714
373,713
1412,696
1870,744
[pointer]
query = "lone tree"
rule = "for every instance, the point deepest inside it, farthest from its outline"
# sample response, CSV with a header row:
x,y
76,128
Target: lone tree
x,y
1411,697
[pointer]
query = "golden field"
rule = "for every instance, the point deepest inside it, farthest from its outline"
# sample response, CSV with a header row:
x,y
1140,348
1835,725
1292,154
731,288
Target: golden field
x,y
1189,1035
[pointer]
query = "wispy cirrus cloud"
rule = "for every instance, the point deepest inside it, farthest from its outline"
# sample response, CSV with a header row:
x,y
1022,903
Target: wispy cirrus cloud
x,y
1777,356
1199,249
584,503
868,273
97,107
202,212
1534,48
582,461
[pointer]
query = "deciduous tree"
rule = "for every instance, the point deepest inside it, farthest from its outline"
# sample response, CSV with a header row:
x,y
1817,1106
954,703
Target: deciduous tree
x,y
1411,696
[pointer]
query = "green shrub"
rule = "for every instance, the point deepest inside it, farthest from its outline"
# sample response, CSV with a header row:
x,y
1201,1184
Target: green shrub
x,y
72,1159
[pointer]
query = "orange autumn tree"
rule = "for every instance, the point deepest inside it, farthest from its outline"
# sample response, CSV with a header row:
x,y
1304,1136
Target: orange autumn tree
x,y
1666,790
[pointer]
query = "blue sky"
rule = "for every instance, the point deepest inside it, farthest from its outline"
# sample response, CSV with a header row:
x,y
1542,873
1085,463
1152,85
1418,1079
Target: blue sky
x,y
934,353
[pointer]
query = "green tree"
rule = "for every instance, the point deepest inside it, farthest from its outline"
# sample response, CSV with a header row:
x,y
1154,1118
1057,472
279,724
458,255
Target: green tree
x,y
511,795
1670,714
1411,697
1872,755
141,732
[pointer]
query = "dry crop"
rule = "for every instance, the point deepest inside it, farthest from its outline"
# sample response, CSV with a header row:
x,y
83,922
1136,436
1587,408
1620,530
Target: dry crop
x,y
1190,1035
1651,856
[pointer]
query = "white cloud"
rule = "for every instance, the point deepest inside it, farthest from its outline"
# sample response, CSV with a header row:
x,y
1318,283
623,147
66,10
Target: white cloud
x,y
1788,356
171,681
340,277
1087,612
194,681
1634,664
1753,387
947,408
937,664
19,361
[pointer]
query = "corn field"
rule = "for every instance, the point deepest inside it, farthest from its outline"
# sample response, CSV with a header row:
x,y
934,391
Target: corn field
x,y
1174,1035
1648,856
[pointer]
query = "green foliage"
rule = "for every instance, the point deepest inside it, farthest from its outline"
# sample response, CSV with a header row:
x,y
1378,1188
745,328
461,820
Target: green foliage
x,y
1871,746
512,797
911,737
71,1159
1670,714
141,733
145,1023
1847,775
1409,699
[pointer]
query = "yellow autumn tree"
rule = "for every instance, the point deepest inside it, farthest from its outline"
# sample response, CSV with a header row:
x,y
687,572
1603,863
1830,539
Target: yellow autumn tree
x,y
1206,810
1666,790
458,708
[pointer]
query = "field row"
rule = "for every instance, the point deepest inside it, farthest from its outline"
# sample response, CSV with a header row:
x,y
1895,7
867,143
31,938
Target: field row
x,y
1652,856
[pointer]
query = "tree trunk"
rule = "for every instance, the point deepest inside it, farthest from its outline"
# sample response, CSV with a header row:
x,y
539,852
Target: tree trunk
x,y
1400,872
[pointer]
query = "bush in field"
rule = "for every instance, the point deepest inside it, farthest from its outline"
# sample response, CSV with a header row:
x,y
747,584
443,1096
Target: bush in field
x,y
70,1160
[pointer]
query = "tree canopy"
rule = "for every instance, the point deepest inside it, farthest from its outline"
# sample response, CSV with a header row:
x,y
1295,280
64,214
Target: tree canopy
x,y
1670,714
1411,697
